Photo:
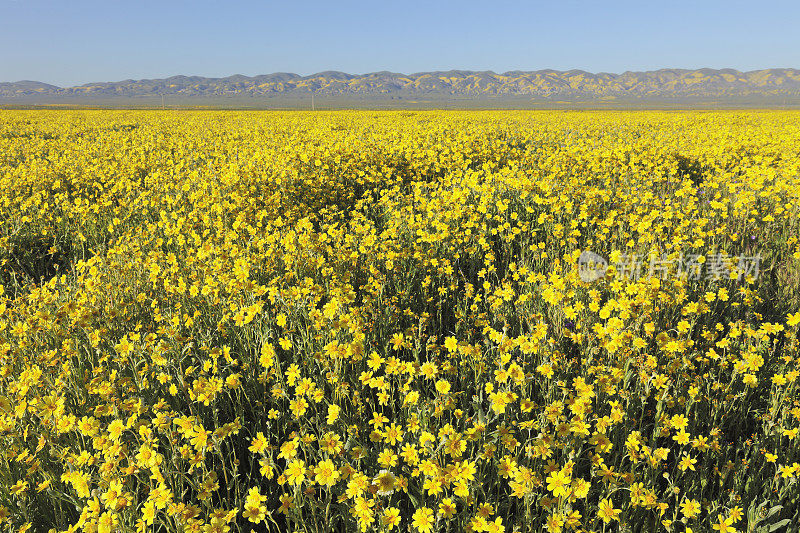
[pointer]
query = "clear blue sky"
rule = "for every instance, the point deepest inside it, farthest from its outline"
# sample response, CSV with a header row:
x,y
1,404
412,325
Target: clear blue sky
x,y
68,42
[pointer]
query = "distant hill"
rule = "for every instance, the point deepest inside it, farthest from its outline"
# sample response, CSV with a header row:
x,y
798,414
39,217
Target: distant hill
x,y
540,84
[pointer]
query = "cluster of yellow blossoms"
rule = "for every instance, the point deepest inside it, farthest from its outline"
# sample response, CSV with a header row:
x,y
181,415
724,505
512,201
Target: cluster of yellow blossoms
x,y
378,321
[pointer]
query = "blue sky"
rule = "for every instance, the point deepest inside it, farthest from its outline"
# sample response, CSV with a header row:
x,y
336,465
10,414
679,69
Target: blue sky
x,y
69,42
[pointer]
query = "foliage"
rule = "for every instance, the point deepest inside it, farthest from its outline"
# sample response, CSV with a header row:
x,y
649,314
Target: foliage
x,y
218,321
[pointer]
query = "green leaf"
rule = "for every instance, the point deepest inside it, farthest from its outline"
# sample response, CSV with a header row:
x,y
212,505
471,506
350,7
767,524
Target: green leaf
x,y
774,510
778,525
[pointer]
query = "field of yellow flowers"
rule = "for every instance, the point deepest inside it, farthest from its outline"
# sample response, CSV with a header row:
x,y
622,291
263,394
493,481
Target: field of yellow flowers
x,y
380,321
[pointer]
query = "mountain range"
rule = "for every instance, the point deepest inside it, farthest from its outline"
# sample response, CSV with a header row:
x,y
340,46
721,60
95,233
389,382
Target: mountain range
x,y
540,84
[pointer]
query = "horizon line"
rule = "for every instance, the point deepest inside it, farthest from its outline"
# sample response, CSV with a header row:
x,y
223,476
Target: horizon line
x,y
419,73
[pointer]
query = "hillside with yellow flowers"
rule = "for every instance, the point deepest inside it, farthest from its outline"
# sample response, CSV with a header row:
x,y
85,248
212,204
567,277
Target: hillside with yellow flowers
x,y
700,86
386,321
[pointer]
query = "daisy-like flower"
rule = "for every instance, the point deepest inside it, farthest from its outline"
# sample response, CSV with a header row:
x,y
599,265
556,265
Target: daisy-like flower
x,y
385,481
422,520
326,473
